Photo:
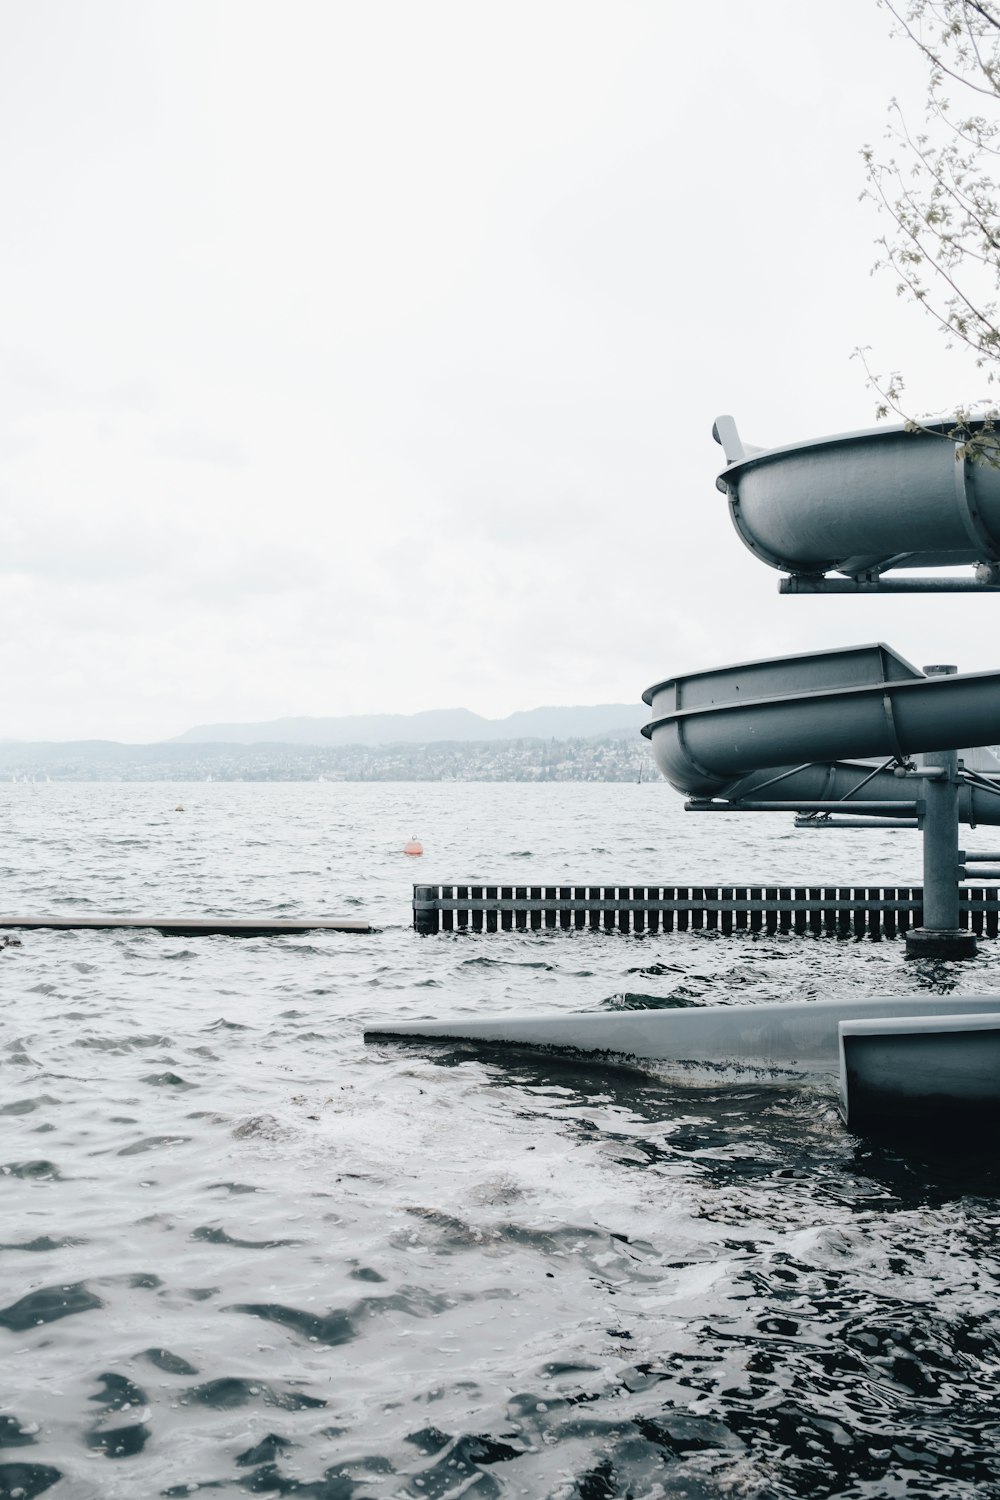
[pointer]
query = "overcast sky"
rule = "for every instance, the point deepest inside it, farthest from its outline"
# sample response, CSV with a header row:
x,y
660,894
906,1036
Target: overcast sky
x,y
363,355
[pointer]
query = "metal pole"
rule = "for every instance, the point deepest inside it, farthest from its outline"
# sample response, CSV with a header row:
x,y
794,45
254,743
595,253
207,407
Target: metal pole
x,y
426,917
941,843
940,936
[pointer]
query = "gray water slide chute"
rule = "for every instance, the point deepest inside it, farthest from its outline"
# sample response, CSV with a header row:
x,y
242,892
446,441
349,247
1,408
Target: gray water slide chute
x,y
792,724
795,1038
863,502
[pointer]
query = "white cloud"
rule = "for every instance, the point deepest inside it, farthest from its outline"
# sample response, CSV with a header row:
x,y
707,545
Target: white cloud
x,y
365,356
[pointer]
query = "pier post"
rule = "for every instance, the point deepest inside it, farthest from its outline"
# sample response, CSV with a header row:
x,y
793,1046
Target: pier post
x,y
426,917
940,935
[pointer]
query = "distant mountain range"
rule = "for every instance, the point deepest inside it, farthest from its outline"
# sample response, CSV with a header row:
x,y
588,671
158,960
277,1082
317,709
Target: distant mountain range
x,y
594,743
431,726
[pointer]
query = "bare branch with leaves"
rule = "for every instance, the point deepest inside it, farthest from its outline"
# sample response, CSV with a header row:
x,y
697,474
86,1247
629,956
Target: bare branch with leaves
x,y
936,186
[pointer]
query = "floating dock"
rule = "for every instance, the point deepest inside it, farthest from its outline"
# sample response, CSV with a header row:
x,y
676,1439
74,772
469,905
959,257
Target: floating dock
x,y
841,910
190,926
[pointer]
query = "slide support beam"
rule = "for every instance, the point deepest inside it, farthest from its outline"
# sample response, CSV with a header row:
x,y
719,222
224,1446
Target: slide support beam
x,y
873,583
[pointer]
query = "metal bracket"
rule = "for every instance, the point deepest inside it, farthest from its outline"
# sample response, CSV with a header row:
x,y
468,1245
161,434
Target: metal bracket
x,y
969,511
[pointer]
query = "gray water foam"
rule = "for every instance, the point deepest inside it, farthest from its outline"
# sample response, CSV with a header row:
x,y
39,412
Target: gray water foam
x,y
239,1250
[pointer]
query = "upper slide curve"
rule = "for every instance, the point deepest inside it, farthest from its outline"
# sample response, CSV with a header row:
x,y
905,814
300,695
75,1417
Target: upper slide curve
x,y
862,502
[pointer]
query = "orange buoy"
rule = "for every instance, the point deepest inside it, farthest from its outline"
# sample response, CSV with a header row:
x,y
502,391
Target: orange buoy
x,y
413,847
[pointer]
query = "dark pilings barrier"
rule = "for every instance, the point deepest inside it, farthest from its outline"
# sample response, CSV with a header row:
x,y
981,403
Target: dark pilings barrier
x,y
875,911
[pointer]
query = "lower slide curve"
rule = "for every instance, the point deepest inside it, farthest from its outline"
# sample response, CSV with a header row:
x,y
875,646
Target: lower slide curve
x,y
795,724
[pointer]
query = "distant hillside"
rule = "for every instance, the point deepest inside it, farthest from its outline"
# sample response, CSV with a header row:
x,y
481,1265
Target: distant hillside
x,y
456,725
614,757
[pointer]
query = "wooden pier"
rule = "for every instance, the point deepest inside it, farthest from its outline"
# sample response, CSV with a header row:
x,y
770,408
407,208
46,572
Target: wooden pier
x,y
189,926
841,910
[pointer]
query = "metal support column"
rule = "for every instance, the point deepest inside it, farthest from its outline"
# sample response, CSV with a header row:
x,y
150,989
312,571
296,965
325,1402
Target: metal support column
x,y
940,936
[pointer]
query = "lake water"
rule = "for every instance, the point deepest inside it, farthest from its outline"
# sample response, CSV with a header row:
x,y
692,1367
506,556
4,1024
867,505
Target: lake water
x,y
242,1252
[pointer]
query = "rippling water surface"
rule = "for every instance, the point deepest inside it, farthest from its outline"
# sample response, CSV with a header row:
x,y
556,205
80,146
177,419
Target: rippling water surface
x,y
240,1251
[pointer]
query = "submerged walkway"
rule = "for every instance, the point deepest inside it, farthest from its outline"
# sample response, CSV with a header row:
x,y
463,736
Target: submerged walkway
x,y
192,926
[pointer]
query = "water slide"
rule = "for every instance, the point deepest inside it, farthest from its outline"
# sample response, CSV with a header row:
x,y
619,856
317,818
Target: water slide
x,y
785,1039
793,731
798,729
863,504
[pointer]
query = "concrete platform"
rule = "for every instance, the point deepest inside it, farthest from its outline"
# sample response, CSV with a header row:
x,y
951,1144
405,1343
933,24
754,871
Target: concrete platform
x,y
190,926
